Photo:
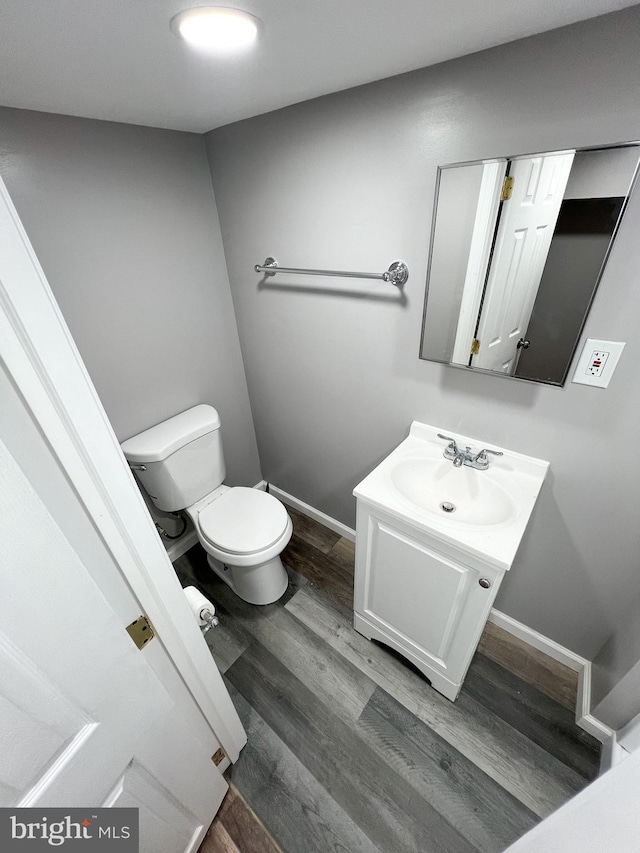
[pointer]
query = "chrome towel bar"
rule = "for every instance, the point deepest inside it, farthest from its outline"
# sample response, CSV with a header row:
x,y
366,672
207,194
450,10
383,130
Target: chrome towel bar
x,y
397,274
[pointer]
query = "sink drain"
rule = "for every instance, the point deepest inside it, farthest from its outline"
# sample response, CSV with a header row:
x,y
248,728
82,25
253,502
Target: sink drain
x,y
447,506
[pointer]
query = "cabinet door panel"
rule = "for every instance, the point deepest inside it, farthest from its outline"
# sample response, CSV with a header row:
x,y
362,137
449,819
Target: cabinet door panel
x,y
428,605
412,588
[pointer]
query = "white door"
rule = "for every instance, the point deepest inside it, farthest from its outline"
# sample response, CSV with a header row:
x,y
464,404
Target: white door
x,y
484,226
86,718
527,222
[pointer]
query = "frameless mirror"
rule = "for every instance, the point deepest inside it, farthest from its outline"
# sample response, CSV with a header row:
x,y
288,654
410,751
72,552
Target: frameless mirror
x,y
518,246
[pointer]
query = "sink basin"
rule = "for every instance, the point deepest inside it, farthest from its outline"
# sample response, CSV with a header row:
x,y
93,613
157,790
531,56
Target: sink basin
x,y
482,513
461,495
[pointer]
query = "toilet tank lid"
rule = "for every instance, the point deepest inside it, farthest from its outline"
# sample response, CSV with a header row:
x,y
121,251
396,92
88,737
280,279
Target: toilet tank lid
x,y
160,441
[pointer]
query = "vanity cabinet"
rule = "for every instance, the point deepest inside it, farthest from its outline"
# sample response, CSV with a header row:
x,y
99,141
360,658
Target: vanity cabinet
x,y
420,596
435,535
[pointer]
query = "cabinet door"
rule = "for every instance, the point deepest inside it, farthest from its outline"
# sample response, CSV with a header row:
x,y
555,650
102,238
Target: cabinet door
x,y
432,606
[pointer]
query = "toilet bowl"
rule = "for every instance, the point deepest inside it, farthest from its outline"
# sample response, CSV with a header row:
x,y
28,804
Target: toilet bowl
x,y
181,465
244,532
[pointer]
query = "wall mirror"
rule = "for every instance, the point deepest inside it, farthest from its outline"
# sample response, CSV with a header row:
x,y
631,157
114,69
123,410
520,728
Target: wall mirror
x,y
518,246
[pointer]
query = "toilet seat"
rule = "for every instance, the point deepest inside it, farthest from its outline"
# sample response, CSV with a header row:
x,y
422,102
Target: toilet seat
x,y
243,521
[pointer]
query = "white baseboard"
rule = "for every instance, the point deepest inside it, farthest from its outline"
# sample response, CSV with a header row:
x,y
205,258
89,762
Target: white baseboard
x,y
612,753
538,641
582,666
315,514
596,728
586,720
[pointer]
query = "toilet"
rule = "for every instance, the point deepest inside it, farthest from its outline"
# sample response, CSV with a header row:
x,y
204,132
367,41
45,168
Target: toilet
x,y
180,463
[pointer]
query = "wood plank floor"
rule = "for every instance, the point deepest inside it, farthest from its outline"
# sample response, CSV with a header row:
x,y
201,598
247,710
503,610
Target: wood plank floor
x,y
237,829
350,749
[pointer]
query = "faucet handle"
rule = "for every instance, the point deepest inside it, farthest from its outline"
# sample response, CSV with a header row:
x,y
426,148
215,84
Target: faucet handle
x,y
482,456
451,451
453,447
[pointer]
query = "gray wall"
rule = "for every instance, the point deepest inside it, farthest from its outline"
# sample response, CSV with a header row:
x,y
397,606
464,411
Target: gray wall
x,y
622,703
124,223
347,181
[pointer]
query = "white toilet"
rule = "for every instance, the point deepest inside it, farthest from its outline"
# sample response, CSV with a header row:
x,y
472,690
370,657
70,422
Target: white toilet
x,y
180,463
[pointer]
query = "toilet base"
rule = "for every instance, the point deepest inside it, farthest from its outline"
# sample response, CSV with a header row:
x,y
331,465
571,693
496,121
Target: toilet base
x,y
260,584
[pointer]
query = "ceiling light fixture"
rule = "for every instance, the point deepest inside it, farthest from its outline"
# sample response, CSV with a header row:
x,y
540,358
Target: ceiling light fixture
x,y
216,28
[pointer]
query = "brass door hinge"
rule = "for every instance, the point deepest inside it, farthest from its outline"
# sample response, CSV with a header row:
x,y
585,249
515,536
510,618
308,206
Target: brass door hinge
x,y
218,756
141,631
475,347
507,189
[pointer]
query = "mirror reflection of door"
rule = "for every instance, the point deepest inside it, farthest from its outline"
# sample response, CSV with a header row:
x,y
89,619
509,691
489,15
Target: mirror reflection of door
x,y
526,224
484,229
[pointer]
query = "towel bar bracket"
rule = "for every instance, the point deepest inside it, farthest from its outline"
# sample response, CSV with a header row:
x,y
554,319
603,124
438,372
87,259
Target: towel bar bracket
x,y
269,267
397,274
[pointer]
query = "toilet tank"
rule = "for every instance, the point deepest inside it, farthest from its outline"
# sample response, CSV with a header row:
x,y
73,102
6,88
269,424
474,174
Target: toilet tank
x,y
180,460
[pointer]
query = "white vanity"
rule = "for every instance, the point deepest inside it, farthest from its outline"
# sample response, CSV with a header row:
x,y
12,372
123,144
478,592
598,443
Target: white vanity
x,y
434,538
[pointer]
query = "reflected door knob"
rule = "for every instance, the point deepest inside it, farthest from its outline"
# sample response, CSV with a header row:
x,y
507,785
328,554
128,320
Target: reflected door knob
x,y
523,344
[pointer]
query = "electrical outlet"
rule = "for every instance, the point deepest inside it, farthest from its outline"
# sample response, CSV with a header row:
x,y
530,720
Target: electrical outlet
x,y
597,362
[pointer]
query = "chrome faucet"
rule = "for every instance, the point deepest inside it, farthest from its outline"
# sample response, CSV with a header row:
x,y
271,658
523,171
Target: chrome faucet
x,y
472,459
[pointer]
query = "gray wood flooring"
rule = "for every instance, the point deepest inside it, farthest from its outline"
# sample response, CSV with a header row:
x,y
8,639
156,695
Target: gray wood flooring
x,y
350,749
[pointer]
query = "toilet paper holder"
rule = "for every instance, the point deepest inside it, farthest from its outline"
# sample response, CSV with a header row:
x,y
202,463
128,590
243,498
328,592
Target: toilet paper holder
x,y
202,608
209,619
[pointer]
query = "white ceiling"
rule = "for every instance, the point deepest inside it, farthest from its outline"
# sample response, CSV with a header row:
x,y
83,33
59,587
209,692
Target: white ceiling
x,y
118,59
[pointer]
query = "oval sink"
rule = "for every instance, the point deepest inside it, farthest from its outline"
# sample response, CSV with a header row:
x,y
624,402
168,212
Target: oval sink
x,y
435,485
479,513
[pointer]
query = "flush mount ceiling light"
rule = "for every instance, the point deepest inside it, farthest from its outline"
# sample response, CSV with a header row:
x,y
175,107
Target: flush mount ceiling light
x,y
216,28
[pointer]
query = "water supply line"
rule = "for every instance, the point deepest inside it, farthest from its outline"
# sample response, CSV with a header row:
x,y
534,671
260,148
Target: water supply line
x,y
164,533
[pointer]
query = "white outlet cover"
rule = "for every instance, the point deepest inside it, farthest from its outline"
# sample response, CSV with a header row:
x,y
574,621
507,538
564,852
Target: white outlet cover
x,y
583,375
